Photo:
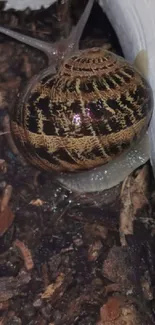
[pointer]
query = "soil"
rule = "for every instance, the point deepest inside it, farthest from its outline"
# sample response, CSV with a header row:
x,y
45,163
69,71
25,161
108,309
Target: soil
x,y
68,259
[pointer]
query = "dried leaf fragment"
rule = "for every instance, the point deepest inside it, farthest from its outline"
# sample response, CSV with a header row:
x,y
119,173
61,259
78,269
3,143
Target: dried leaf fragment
x,y
26,254
4,305
94,250
6,197
133,197
37,202
3,165
6,219
111,310
50,290
120,311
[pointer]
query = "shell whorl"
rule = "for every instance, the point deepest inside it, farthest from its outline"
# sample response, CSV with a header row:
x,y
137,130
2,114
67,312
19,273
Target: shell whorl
x,y
85,115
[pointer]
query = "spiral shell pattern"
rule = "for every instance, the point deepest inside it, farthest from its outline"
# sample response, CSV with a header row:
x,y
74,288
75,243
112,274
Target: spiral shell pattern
x,y
87,114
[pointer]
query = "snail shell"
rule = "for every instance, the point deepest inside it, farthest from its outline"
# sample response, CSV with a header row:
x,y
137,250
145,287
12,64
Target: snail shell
x,y
84,116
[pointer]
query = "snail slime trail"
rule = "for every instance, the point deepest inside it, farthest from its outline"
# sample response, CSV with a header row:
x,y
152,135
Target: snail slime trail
x,y
88,113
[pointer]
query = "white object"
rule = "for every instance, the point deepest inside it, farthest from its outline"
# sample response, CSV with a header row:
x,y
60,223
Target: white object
x,y
23,4
134,24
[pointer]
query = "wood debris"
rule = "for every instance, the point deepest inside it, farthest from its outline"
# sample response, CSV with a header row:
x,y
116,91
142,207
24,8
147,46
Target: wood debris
x,y
6,197
6,220
50,290
26,254
11,286
37,202
6,128
3,166
119,310
133,197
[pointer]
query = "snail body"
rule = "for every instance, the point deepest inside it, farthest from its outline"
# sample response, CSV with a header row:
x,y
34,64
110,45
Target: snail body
x,y
81,113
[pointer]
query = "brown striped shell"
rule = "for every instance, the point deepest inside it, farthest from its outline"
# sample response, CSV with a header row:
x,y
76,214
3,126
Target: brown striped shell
x,y
85,115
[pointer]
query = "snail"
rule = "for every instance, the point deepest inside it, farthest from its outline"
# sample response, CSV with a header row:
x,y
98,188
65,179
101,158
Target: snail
x,y
85,116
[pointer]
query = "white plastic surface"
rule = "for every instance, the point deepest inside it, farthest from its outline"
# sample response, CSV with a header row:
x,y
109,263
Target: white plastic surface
x,y
134,23
23,4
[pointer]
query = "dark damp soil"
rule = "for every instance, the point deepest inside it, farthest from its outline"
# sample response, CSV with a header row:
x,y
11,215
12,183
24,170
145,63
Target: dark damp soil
x,y
62,259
